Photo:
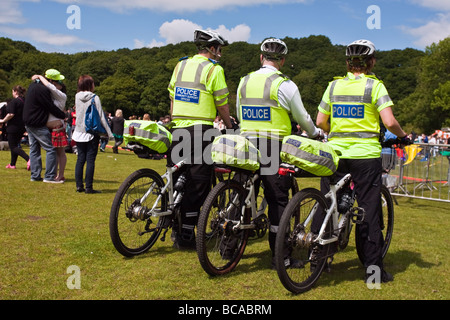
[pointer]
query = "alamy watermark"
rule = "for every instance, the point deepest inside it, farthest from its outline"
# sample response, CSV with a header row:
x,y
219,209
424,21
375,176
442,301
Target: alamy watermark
x,y
373,279
74,280
374,20
74,20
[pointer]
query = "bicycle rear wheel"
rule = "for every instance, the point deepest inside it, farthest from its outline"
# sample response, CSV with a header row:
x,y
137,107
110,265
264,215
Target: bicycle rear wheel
x,y
386,225
132,231
219,245
306,258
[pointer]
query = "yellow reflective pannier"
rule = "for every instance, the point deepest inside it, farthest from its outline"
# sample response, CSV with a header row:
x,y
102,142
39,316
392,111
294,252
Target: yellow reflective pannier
x,y
235,151
312,156
148,133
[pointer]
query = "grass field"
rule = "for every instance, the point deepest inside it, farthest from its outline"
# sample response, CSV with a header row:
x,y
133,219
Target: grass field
x,y
45,229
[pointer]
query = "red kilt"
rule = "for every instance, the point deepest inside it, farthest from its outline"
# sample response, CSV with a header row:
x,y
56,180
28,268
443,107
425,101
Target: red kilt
x,y
59,138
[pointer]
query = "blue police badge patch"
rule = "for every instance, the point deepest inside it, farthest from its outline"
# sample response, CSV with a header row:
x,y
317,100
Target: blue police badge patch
x,y
355,111
252,113
187,95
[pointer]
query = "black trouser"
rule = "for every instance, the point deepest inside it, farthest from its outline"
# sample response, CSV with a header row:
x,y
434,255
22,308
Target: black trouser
x,y
87,153
15,148
117,143
199,174
276,187
366,175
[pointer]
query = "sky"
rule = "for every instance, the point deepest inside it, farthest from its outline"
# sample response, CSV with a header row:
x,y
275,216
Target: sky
x,y
71,26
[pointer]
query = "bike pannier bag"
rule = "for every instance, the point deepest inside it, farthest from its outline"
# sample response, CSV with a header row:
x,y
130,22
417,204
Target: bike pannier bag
x,y
309,155
235,151
148,133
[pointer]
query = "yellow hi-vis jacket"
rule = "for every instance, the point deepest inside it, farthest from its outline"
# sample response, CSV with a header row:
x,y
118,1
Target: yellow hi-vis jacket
x,y
260,112
196,88
353,104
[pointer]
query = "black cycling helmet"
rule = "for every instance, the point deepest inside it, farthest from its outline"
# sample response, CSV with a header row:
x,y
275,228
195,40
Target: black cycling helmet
x,y
273,49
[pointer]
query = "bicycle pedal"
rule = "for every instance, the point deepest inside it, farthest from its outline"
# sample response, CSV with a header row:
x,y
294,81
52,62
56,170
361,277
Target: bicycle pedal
x,y
357,215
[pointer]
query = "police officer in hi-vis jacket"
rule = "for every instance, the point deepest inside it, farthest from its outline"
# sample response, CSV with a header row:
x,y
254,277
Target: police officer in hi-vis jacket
x,y
265,98
198,92
350,112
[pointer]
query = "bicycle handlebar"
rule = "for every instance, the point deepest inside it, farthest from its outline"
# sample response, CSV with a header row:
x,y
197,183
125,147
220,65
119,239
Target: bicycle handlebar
x,y
405,141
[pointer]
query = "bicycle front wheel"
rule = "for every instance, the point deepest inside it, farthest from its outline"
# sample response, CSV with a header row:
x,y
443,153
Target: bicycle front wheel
x,y
386,221
220,241
132,231
299,259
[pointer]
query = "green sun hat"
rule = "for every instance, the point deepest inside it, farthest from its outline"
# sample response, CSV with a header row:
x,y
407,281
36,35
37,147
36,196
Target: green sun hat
x,y
54,74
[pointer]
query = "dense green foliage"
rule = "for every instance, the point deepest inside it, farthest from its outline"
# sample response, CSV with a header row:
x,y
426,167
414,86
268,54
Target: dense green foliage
x,y
136,80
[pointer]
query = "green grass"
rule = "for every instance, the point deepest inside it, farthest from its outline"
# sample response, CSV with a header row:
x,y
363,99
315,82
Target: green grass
x,y
45,228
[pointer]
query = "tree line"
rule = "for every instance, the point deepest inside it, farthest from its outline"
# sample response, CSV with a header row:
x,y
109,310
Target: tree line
x,y
136,80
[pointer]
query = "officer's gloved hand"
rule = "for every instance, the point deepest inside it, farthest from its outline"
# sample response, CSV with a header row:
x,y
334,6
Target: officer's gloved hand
x,y
234,124
405,141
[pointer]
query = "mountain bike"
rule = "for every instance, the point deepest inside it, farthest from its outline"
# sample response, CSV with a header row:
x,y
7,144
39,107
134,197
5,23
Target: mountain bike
x,y
314,250
146,205
233,213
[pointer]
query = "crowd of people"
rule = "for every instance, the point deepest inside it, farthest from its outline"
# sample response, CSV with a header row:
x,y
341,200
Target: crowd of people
x,y
38,116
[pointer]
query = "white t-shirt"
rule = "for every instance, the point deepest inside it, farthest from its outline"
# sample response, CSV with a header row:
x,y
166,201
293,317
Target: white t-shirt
x,y
59,99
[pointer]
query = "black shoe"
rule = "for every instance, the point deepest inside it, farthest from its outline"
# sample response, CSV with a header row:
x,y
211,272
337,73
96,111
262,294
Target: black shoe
x,y
80,189
227,254
92,191
184,245
385,276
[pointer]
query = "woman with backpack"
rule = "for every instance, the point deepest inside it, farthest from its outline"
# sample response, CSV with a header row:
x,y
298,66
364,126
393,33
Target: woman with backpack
x,y
87,143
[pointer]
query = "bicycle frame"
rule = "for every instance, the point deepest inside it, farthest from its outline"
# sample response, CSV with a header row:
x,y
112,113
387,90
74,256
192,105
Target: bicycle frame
x,y
250,203
168,187
331,213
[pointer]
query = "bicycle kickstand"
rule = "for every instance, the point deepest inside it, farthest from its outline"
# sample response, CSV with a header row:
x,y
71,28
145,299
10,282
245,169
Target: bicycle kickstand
x,y
328,264
163,238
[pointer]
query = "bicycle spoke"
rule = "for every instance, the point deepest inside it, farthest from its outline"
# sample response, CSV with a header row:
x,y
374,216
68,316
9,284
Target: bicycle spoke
x,y
220,243
299,259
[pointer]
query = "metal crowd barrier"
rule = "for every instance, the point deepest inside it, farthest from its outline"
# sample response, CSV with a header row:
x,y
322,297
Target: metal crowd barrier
x,y
419,171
